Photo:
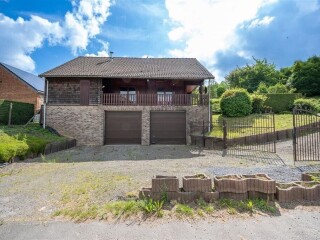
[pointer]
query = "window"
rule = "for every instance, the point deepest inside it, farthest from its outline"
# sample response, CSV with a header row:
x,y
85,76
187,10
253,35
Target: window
x,y
164,96
128,92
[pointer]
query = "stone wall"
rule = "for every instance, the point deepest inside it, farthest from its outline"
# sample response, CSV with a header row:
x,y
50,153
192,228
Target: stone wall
x,y
86,123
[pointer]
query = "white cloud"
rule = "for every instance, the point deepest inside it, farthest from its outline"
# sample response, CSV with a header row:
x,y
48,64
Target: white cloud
x,y
207,27
84,22
104,50
261,22
20,38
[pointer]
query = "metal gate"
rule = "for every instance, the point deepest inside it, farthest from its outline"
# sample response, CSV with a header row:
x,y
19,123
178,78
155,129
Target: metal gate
x,y
306,135
256,132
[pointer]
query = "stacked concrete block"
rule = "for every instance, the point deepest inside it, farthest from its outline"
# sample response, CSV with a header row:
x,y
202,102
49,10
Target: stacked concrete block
x,y
260,186
194,188
231,186
298,191
197,183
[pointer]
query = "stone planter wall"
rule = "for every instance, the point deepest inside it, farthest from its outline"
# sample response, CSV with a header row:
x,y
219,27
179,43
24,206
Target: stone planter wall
x,y
165,184
194,189
196,184
237,187
298,192
231,186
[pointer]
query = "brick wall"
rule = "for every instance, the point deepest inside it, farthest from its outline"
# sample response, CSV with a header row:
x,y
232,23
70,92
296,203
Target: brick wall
x,y
86,123
12,88
67,91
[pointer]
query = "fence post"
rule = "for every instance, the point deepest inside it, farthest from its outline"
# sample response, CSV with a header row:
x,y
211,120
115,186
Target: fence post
x,y
203,140
10,114
224,126
294,135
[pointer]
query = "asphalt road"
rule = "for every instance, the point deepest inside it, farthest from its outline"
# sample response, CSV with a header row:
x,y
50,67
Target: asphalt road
x,y
294,224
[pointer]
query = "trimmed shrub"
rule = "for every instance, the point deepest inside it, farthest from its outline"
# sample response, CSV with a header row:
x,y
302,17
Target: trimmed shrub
x,y
11,147
308,104
21,112
236,103
215,105
281,102
258,101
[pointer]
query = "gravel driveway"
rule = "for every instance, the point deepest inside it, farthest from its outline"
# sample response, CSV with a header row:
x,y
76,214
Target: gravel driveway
x,y
34,189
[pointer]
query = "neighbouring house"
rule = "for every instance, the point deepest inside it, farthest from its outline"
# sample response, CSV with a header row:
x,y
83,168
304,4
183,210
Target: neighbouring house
x,y
119,100
18,85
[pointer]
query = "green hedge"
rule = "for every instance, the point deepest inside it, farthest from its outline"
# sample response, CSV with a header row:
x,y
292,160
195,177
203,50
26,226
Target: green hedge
x,y
281,102
21,112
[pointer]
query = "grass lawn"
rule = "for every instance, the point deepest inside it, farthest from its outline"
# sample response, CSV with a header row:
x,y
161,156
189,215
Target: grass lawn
x,y
21,141
282,121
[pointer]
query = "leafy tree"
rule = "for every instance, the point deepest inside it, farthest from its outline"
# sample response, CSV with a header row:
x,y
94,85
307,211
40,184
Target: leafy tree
x,y
262,88
278,88
306,76
217,89
250,76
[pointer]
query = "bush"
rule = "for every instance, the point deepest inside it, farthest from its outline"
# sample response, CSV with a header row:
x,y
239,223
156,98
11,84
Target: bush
x,y
309,104
258,101
215,105
278,88
281,102
236,103
11,147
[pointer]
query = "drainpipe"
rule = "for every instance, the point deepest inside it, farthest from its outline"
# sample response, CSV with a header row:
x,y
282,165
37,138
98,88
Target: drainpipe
x,y
45,104
209,90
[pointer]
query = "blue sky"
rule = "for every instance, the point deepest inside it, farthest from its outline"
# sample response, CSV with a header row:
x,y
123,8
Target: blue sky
x,y
37,35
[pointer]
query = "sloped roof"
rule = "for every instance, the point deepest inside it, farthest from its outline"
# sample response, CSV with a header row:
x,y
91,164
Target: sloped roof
x,y
122,67
32,80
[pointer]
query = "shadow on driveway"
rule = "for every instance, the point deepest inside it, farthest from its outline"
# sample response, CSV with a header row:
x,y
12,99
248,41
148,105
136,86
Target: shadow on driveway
x,y
123,152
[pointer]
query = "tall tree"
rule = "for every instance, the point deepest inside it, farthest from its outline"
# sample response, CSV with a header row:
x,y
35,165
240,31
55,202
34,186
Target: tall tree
x,y
306,76
250,76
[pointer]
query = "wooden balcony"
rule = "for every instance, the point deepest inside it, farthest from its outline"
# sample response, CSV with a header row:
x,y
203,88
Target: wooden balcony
x,y
116,99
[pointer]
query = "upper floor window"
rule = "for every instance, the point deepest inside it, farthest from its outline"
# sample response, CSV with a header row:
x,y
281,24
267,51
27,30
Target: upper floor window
x,y
164,96
129,93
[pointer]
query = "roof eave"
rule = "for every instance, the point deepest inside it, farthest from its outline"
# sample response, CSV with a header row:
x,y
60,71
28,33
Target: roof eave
x,y
135,77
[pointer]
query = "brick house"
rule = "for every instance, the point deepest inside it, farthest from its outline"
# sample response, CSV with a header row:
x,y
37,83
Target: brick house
x,y
100,100
18,85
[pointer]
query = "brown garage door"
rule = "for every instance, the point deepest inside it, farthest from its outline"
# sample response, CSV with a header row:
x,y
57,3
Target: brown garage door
x,y
122,127
168,128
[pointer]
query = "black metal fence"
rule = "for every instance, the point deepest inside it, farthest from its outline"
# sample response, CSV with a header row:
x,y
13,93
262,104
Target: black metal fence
x,y
255,132
306,135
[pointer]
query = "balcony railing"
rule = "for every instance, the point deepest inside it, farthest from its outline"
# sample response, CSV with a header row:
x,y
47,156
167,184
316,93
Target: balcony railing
x,y
116,99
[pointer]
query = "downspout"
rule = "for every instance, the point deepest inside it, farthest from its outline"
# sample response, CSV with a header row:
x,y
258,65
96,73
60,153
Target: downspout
x,y
209,90
45,104
209,104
